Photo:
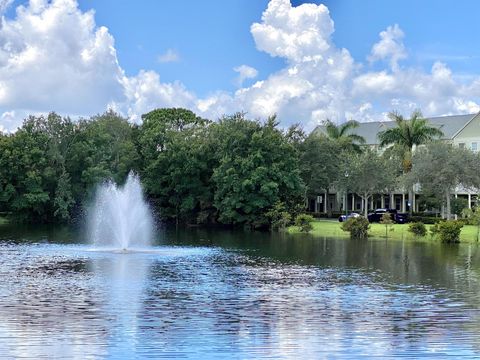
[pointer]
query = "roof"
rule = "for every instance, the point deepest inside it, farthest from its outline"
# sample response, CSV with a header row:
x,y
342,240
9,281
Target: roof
x,y
450,126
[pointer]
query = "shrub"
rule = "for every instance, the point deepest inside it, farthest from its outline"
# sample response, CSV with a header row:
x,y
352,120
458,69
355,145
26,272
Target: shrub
x,y
425,219
357,227
418,228
447,231
304,222
279,217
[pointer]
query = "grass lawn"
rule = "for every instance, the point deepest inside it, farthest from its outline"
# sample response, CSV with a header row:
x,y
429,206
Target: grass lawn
x,y
399,231
3,220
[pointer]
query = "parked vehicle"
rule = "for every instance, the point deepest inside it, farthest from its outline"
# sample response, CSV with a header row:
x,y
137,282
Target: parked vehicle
x,y
344,217
399,218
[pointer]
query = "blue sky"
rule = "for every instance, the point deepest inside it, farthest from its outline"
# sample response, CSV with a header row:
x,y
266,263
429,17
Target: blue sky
x,y
434,30
184,53
213,36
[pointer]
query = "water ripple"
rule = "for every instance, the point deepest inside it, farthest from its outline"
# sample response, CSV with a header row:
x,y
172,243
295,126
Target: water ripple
x,y
66,301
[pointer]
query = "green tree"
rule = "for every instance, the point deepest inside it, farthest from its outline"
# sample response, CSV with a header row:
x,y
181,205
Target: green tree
x,y
406,135
320,164
33,159
440,167
51,164
258,167
178,163
368,173
158,124
344,134
104,148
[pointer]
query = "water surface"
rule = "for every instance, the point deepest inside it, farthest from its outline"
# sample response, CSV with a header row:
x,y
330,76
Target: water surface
x,y
218,294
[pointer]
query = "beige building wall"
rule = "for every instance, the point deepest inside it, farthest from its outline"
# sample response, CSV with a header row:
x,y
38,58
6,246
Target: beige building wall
x,y
469,135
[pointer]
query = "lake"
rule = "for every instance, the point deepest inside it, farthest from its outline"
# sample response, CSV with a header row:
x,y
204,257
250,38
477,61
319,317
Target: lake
x,y
201,294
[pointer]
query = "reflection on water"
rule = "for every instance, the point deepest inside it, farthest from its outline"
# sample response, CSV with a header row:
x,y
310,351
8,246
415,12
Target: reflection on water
x,y
237,295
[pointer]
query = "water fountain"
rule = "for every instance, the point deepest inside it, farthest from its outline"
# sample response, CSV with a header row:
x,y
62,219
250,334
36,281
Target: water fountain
x,y
120,219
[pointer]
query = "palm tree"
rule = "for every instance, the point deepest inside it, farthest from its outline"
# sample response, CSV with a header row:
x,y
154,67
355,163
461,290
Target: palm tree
x,y
343,134
406,135
346,139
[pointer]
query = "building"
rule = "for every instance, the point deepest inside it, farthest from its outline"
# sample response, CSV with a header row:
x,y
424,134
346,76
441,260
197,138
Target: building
x,y
460,130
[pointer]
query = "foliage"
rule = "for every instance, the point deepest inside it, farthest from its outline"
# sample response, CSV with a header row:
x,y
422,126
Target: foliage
x,y
32,161
417,228
425,219
320,164
344,134
458,205
387,221
178,163
366,174
304,222
447,231
357,227
407,134
194,171
279,217
428,200
257,167
440,167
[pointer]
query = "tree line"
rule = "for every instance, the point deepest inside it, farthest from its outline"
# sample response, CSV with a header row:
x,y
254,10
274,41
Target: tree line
x,y
234,171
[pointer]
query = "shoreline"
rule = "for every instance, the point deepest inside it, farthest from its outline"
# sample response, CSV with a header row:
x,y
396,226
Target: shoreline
x,y
332,228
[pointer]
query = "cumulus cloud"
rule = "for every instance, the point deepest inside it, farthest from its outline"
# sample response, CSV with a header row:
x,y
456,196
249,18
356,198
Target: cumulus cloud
x,y
171,55
4,5
315,82
244,72
295,33
390,47
53,56
145,92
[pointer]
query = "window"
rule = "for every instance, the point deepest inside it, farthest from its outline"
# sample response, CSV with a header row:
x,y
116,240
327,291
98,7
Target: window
x,y
461,145
474,146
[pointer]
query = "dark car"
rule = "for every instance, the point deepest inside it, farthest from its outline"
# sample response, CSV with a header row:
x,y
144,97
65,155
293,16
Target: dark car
x,y
343,218
399,218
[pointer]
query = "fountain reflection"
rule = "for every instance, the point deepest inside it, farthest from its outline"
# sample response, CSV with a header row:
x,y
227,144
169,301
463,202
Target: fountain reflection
x,y
123,278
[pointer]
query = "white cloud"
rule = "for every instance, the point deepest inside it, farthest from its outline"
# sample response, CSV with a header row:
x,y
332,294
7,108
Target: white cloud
x,y
171,55
295,33
244,72
390,47
4,5
145,92
53,56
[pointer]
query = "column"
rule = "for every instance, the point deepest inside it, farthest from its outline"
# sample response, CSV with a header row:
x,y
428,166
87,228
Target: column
x,y
392,201
414,203
371,202
403,203
382,204
456,216
325,203
345,198
469,201
353,202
